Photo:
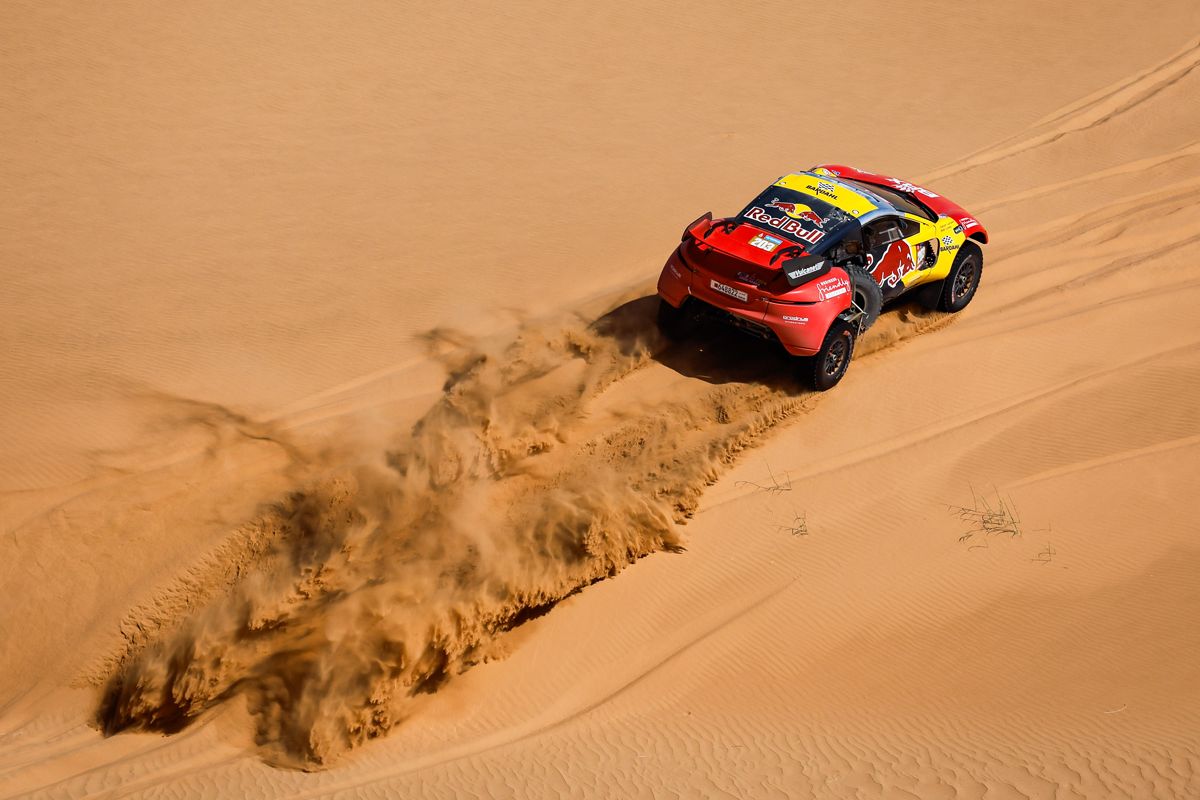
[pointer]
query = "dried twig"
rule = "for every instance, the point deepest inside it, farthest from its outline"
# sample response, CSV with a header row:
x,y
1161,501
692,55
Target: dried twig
x,y
987,517
1046,555
799,526
775,486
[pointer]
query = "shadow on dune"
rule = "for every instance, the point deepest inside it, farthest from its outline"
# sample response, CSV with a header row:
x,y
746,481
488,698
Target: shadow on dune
x,y
716,355
719,355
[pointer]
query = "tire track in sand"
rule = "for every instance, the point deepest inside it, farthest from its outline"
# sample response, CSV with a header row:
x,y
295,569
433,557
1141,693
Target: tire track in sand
x,y
1089,113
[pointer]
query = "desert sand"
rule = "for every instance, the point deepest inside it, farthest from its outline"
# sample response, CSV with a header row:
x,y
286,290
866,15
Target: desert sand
x,y
340,455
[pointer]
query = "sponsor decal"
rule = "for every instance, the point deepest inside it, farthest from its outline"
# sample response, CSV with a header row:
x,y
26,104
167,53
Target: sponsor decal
x,y
796,274
909,188
765,241
674,270
746,277
823,189
905,266
893,280
833,286
968,222
958,228
947,241
798,211
785,225
729,291
796,320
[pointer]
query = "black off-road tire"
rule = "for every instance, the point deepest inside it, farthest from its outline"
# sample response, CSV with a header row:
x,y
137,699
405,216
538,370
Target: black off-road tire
x,y
824,370
956,290
866,293
676,324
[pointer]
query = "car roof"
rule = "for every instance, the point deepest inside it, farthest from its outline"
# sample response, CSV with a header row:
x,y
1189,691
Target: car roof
x,y
854,200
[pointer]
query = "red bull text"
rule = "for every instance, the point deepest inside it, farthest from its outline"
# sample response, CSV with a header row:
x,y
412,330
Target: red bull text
x,y
785,225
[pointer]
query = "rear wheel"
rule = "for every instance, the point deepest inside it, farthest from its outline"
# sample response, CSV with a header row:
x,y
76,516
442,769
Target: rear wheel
x,y
824,370
957,289
866,293
676,324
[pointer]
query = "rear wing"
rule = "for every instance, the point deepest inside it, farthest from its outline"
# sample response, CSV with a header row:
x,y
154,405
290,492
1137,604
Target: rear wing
x,y
935,202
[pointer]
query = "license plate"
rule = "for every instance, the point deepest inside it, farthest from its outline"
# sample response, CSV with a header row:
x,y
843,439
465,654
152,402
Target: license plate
x,y
729,291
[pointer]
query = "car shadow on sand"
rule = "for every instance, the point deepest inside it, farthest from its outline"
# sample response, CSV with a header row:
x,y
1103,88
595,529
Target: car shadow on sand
x,y
715,354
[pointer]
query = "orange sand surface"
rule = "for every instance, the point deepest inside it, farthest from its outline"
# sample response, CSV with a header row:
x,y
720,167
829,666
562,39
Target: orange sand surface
x,y
340,456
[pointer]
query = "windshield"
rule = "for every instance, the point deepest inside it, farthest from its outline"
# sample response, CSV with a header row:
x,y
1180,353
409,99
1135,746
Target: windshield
x,y
896,199
805,219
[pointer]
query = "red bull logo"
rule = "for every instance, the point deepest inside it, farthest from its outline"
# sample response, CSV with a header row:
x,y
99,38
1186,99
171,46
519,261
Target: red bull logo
x,y
798,211
784,224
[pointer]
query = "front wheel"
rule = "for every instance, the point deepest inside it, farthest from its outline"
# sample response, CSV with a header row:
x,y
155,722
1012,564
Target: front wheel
x,y
959,287
824,370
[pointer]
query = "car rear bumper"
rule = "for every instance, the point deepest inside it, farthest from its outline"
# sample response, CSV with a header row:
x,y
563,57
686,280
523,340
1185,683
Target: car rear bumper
x,y
799,327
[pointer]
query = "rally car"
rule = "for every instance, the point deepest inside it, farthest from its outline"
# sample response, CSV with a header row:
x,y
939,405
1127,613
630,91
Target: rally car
x,y
810,262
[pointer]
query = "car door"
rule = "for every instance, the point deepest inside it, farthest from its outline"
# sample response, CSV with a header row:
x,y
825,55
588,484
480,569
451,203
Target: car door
x,y
922,238
889,255
950,238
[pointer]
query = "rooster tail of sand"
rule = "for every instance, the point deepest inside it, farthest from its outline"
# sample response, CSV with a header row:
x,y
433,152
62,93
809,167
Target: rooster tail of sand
x,y
381,581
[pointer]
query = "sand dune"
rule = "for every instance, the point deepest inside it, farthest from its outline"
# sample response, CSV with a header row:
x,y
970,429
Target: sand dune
x,y
342,457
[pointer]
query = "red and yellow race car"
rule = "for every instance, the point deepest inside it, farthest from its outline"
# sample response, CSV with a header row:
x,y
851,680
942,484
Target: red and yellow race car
x,y
810,262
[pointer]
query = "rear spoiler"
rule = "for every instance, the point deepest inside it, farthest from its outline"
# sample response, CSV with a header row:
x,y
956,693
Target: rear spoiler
x,y
934,201
798,266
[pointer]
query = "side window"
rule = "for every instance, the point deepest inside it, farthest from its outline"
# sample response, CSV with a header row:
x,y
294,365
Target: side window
x,y
849,248
909,228
883,232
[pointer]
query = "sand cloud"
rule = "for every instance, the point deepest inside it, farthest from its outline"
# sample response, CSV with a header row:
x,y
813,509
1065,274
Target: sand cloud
x,y
381,581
